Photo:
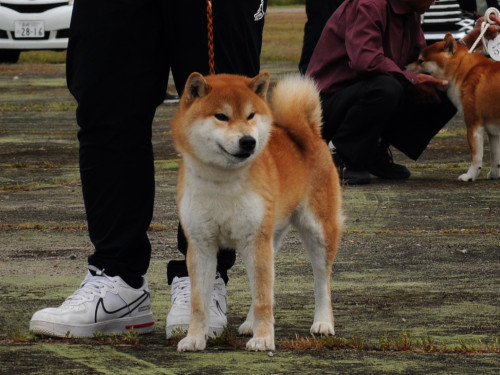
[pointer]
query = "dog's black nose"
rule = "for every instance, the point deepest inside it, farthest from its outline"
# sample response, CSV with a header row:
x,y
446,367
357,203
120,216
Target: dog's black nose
x,y
247,143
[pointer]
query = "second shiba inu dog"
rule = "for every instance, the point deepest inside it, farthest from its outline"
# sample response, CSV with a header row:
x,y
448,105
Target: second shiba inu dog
x,y
474,88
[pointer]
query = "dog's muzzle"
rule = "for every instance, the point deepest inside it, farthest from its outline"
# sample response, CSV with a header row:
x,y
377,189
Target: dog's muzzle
x,y
247,146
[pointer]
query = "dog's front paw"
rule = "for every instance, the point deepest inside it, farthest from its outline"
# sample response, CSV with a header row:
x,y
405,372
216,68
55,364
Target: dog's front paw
x,y
192,344
246,328
472,173
466,177
494,174
260,344
323,328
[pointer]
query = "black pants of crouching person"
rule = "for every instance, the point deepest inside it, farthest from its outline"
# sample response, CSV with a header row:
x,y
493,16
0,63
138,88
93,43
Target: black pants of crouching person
x,y
379,110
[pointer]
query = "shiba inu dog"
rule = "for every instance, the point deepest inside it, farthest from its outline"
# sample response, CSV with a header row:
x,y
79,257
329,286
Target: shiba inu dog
x,y
248,172
474,88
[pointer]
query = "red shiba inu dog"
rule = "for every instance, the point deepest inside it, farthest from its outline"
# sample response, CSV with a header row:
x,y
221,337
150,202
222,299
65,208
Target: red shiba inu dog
x,y
248,172
474,88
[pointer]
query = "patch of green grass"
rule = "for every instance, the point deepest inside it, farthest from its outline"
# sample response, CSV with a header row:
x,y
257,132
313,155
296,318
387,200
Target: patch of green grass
x,y
38,107
283,37
467,231
326,342
449,133
403,342
126,338
14,188
37,165
36,186
442,166
19,337
45,227
15,165
42,57
65,228
406,342
172,164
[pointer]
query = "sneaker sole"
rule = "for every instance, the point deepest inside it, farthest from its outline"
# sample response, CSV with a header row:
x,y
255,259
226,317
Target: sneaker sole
x,y
141,325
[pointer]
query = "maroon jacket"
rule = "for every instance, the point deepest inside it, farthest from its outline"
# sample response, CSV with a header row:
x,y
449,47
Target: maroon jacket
x,y
366,37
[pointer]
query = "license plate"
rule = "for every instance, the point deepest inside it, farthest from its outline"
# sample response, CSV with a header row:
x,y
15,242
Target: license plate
x,y
29,29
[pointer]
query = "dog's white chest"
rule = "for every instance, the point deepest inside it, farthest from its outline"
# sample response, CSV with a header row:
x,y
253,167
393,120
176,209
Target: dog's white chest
x,y
226,212
455,97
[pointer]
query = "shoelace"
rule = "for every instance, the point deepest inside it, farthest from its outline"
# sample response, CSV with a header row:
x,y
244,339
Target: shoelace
x,y
182,291
91,286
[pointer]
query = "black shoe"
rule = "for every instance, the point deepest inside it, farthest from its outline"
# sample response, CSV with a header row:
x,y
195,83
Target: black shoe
x,y
349,174
383,166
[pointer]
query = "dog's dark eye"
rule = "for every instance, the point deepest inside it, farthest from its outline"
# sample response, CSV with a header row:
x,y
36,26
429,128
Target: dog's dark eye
x,y
420,61
221,117
251,116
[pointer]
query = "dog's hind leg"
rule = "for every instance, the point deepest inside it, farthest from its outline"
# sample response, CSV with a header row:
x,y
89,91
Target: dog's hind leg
x,y
202,264
494,139
476,144
246,328
321,241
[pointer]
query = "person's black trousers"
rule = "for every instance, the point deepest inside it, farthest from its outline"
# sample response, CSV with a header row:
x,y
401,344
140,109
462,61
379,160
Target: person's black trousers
x,y
318,12
376,109
118,61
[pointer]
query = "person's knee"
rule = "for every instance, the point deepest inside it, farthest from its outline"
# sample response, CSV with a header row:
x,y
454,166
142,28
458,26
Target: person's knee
x,y
385,89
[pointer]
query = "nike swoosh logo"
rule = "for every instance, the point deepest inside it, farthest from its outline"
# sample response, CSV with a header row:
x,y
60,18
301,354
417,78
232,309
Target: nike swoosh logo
x,y
123,311
219,307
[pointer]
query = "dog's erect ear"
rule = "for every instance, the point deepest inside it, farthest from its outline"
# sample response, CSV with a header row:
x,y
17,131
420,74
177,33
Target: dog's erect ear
x,y
260,84
196,86
450,44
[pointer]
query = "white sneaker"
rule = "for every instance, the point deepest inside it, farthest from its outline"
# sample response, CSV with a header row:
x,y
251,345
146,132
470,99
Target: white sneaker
x,y
179,315
102,304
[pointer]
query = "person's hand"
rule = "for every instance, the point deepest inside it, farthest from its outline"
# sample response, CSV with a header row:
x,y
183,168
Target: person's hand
x,y
495,18
491,33
431,81
425,89
493,30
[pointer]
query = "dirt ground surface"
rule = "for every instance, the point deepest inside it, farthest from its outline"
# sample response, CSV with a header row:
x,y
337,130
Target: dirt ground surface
x,y
415,285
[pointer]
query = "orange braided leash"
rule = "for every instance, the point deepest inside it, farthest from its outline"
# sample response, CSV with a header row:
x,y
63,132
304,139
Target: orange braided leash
x,y
210,26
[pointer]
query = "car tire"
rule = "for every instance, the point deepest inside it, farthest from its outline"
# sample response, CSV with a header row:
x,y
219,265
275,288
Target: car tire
x,y
9,55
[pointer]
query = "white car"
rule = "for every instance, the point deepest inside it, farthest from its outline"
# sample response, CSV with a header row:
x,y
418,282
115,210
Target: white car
x,y
33,25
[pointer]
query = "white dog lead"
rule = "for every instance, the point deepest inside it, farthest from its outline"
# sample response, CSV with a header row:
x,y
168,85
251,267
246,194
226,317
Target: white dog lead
x,y
492,46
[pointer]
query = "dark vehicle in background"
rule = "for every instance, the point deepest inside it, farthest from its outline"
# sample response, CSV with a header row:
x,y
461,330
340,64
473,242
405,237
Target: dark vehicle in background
x,y
446,16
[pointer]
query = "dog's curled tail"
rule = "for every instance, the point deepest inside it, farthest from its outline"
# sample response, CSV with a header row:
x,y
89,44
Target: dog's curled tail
x,y
296,105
